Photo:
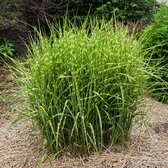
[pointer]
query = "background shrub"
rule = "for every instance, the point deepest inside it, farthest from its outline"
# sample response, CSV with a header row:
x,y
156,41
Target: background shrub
x,y
127,10
83,88
155,39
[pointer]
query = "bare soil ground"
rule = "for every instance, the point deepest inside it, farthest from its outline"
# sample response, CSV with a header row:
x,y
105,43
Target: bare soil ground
x,y
20,149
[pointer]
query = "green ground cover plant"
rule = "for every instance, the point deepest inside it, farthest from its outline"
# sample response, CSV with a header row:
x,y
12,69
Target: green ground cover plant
x,y
6,48
6,51
83,85
155,40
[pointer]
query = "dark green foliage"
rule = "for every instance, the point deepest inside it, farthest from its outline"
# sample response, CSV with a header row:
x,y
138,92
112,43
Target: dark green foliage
x,y
126,10
155,39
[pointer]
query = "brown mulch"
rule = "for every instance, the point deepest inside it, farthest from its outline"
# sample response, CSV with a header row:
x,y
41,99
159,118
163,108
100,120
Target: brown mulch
x,y
19,149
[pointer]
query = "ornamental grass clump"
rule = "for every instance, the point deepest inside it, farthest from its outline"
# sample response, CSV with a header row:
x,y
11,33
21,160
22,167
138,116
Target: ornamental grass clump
x,y
83,85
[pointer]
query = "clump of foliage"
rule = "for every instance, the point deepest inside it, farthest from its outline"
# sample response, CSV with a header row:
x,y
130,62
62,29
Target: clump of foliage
x,y
127,10
155,39
83,87
6,49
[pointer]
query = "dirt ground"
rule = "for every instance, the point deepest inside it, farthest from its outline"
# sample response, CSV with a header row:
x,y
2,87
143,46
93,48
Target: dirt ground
x,y
19,148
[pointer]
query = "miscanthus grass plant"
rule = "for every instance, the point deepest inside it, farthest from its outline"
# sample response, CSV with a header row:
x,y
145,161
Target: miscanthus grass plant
x,y
83,85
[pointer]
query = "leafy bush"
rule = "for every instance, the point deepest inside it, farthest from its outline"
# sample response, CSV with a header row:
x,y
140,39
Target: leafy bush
x,y
155,39
127,10
83,87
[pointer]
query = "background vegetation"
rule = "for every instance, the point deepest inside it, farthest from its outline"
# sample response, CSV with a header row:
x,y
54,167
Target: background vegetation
x,y
12,26
126,10
18,16
155,39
